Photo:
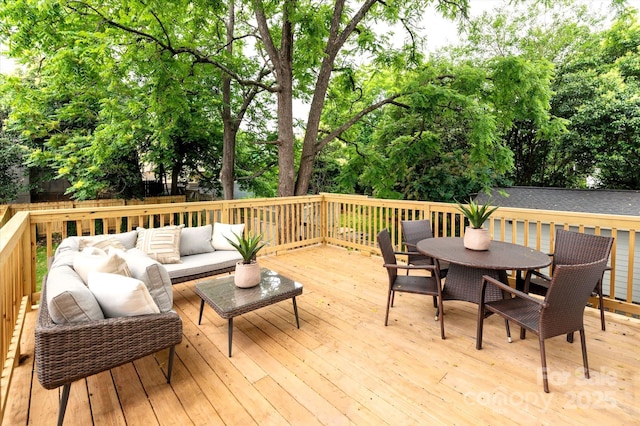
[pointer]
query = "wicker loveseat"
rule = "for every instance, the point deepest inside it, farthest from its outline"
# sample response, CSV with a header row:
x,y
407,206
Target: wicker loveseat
x,y
78,334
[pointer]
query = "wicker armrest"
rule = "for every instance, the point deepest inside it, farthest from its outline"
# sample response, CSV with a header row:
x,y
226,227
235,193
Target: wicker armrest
x,y
400,266
505,288
541,275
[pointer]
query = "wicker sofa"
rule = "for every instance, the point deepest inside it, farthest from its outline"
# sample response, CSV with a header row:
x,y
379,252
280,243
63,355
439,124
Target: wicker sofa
x,y
77,335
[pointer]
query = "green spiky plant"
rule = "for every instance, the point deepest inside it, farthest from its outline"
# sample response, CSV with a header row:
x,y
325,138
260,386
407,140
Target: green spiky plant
x,y
476,214
248,246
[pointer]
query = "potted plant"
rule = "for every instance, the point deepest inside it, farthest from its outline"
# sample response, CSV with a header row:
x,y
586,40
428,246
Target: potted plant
x,y
247,270
475,236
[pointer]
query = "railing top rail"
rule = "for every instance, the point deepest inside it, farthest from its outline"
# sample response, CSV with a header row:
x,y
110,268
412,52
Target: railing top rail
x,y
11,232
42,216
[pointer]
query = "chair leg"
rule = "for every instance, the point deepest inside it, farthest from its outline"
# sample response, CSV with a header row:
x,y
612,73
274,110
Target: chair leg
x,y
506,325
480,324
583,342
543,360
389,303
172,353
393,297
441,319
63,403
601,305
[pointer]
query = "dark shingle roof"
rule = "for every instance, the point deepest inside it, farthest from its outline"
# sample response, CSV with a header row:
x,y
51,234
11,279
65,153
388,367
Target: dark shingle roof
x,y
575,200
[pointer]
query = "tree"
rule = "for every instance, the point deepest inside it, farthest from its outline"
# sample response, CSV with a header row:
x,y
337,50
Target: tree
x,y
597,92
294,53
532,41
439,143
162,103
11,157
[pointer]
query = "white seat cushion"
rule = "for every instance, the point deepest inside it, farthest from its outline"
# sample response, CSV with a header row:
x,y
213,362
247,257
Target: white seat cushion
x,y
204,263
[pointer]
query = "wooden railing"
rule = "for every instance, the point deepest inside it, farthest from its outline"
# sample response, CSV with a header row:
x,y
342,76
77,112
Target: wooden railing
x,y
347,221
16,287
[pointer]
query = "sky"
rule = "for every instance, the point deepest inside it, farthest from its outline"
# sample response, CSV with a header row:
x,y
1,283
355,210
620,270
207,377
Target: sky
x,y
442,32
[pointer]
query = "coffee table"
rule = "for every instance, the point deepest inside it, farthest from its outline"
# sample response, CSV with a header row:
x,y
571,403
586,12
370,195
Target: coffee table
x,y
230,301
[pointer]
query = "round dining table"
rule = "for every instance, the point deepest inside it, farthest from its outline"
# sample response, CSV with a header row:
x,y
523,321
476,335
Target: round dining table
x,y
466,267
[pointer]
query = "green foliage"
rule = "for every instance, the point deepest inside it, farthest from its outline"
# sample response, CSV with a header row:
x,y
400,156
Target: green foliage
x,y
108,94
11,156
114,85
597,93
248,246
440,141
477,214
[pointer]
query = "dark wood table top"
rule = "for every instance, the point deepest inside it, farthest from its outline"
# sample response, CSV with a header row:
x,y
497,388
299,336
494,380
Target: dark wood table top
x,y
229,301
500,256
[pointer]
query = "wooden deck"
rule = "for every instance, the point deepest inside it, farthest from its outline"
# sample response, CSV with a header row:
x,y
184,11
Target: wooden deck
x,y
343,366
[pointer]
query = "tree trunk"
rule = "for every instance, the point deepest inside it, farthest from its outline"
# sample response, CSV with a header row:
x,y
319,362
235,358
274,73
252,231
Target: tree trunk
x,y
230,129
336,40
175,175
286,179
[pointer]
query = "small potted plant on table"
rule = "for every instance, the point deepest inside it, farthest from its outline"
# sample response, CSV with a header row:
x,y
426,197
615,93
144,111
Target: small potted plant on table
x,y
475,236
247,270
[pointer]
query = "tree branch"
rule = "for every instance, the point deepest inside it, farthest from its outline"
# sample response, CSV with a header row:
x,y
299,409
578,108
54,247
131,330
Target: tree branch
x,y
259,173
198,56
337,132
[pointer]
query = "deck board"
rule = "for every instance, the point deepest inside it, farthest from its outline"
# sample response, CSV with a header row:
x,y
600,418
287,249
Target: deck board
x,y
343,366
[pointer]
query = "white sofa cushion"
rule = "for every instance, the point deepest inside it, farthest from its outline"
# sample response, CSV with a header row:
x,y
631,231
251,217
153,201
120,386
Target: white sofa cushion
x,y
196,240
68,298
161,244
84,263
222,230
154,275
204,263
121,296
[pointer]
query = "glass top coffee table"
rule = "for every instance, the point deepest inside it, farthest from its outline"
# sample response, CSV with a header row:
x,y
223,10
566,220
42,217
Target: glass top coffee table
x,y
230,301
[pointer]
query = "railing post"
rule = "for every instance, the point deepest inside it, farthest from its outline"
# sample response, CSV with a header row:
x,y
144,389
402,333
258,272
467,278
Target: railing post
x,y
29,270
324,218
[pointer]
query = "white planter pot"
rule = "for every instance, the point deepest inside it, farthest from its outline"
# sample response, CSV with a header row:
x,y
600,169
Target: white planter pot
x,y
247,275
476,238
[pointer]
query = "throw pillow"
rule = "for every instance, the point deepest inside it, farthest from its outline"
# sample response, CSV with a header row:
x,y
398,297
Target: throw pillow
x,y
196,240
222,230
161,244
112,263
94,251
121,296
99,241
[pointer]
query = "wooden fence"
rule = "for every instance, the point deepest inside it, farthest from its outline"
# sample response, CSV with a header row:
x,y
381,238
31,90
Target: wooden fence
x,y
60,205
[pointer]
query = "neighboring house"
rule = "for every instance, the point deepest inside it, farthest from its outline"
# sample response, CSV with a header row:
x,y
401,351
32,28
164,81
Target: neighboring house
x,y
616,202
573,200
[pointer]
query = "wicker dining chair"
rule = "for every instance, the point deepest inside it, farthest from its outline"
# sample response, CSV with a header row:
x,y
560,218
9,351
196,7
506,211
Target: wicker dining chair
x,y
417,284
573,248
414,231
560,312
